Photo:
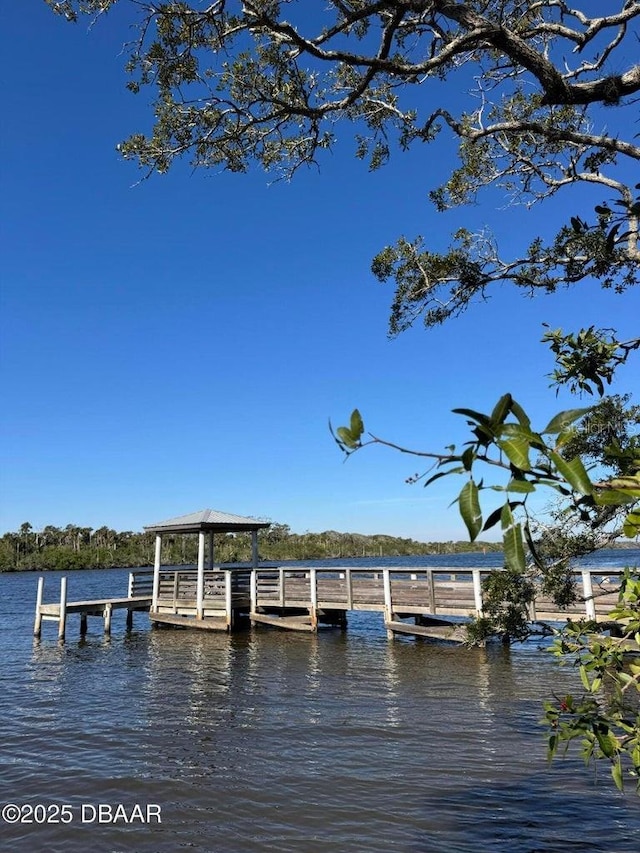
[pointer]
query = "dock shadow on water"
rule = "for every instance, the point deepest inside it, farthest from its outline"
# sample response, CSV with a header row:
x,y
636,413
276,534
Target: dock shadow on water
x,y
272,741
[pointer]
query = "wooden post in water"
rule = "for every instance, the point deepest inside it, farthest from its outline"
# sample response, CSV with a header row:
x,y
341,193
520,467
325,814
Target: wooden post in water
x,y
83,624
62,624
37,625
107,617
129,625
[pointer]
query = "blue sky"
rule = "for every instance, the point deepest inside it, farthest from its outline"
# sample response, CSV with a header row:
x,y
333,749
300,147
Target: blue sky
x,y
181,343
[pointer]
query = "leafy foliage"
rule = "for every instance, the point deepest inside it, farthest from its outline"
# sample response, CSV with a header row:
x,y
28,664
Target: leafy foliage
x,y
239,82
504,441
587,360
605,720
74,547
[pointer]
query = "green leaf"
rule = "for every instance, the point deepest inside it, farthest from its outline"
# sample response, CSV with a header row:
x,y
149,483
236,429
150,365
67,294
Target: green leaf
x,y
573,472
521,486
584,678
501,409
514,549
493,519
607,743
506,516
347,438
563,419
478,417
517,452
457,470
523,419
468,457
470,508
616,497
616,773
631,526
356,425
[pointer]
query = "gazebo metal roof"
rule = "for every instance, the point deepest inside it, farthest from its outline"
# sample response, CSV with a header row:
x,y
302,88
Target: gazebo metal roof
x,y
207,519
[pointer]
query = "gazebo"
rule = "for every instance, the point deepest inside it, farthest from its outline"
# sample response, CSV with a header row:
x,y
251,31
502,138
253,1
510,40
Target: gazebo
x,y
205,523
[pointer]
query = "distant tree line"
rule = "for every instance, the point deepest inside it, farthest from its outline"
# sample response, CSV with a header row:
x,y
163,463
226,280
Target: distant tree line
x,y
76,547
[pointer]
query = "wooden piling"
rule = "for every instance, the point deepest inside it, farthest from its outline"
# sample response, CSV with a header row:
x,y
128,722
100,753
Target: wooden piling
x,y
62,624
37,625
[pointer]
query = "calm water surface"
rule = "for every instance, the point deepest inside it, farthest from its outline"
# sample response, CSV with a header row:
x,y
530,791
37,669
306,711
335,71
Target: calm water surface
x,y
273,741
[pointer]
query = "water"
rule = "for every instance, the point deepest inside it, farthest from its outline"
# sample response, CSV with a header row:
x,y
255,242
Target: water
x,y
274,741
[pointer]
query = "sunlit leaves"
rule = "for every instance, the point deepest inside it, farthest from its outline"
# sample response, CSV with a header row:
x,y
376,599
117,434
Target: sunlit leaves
x,y
470,509
349,438
587,360
605,720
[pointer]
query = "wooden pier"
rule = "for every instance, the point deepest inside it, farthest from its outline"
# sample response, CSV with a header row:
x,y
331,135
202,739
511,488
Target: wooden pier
x,y
428,602
137,598
421,602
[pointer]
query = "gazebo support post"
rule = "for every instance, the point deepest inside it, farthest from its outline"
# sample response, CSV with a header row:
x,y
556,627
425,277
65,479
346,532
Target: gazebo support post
x,y
200,581
156,573
254,549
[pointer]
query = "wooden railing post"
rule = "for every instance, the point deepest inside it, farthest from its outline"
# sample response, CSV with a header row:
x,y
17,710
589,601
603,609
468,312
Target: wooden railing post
x,y
281,583
587,587
228,600
313,610
253,591
349,582
432,591
176,590
477,591
37,625
388,604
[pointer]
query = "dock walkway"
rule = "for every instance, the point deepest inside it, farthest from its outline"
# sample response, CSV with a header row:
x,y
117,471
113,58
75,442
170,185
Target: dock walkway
x,y
101,607
428,602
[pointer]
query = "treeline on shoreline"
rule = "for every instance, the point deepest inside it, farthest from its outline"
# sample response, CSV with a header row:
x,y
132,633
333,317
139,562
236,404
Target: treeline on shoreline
x,y
75,547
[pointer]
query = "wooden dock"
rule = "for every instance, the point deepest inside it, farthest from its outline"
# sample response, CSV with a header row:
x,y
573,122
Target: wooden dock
x,y
427,602
421,602
103,608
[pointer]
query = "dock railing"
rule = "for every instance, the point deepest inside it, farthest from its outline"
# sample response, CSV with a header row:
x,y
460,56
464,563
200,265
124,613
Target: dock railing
x,y
439,591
